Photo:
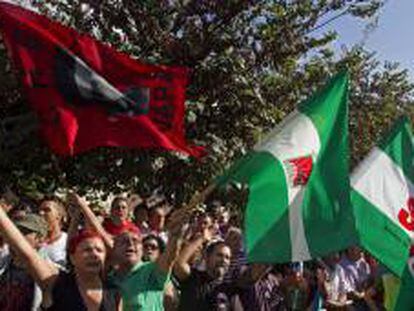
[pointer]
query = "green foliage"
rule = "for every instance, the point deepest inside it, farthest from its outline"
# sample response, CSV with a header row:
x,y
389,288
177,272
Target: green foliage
x,y
250,61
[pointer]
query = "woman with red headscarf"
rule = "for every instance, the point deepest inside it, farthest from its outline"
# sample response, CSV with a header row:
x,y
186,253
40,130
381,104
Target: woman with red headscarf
x,y
81,289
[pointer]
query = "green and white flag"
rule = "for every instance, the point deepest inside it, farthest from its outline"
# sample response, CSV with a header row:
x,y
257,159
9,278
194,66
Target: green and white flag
x,y
298,206
383,200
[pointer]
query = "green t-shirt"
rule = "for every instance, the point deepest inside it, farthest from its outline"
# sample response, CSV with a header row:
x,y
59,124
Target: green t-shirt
x,y
142,288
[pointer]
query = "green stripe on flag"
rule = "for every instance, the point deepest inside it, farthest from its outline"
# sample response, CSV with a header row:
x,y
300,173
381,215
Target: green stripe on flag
x,y
399,146
326,206
382,199
328,107
405,299
383,238
266,221
298,204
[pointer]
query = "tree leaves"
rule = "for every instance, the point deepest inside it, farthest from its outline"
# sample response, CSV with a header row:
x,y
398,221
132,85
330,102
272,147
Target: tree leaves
x,y
250,62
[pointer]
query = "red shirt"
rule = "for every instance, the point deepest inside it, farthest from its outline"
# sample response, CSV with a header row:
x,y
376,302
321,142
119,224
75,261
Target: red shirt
x,y
113,229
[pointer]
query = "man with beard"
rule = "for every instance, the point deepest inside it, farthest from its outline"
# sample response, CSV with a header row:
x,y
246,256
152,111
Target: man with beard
x,y
207,290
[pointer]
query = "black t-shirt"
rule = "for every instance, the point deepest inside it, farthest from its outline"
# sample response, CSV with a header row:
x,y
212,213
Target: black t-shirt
x,y
16,289
66,296
202,293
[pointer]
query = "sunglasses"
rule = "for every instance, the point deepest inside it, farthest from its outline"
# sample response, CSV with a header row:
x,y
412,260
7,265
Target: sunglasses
x,y
151,246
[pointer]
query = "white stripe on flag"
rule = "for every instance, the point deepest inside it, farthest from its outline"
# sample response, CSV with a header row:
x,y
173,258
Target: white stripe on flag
x,y
300,248
295,137
382,182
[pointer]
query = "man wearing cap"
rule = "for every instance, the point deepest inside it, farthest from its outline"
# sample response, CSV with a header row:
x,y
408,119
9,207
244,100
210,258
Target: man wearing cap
x,y
18,290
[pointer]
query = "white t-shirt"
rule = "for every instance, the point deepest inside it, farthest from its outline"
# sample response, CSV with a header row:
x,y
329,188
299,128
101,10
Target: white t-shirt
x,y
56,251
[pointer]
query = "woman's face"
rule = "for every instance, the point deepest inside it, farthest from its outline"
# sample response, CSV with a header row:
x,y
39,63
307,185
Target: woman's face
x,y
151,250
89,256
120,210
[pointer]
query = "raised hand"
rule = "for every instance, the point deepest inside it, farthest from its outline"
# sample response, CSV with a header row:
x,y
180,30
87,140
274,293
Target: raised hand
x,y
75,200
177,223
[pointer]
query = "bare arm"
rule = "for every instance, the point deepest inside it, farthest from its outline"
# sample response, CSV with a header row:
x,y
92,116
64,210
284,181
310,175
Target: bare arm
x,y
91,219
175,228
40,269
182,257
75,219
182,267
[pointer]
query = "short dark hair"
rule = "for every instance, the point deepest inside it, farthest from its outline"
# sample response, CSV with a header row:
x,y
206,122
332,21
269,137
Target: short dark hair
x,y
143,205
212,247
160,242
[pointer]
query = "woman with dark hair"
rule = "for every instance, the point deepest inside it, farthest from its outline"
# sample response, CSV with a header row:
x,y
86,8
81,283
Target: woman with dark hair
x,y
141,217
118,220
81,289
152,247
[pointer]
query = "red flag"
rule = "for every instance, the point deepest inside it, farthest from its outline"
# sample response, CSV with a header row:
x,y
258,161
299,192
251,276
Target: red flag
x,y
86,94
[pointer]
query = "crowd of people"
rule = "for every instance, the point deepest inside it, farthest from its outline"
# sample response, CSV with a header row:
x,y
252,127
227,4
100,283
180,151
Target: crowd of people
x,y
146,255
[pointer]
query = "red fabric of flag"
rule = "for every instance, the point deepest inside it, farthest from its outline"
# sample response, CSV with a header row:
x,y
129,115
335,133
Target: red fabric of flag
x,y
86,94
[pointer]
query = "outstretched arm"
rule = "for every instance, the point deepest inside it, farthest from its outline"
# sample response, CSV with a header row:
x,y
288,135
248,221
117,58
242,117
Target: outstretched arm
x,y
75,217
91,218
176,231
182,267
42,271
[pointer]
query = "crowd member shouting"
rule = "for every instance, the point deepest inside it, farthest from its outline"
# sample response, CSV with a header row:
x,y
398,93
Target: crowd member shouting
x,y
153,246
82,288
53,211
207,289
118,220
140,283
